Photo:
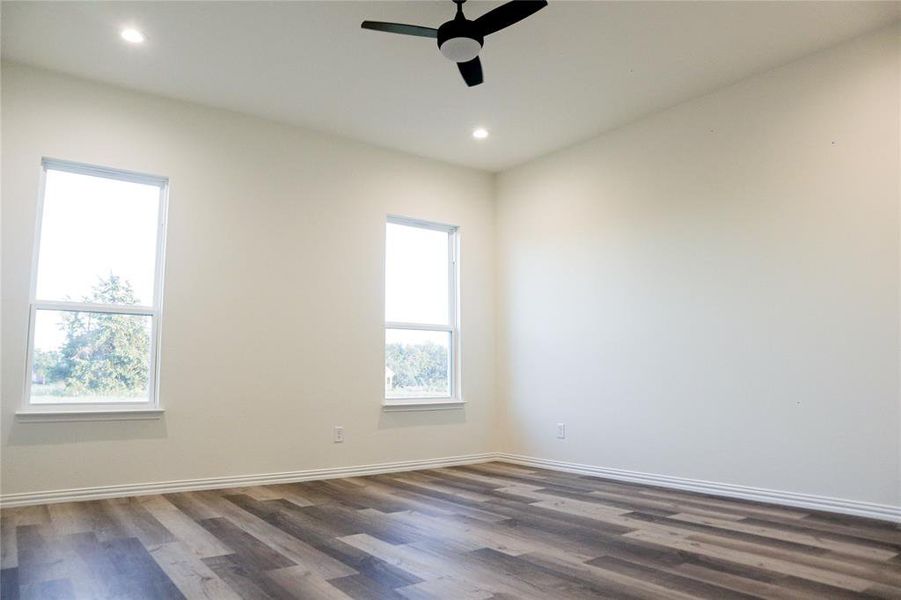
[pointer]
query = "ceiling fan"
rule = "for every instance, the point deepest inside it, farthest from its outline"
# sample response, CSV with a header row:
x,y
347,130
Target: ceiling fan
x,y
460,39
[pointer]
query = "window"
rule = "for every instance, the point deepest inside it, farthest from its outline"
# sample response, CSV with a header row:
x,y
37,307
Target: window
x,y
96,290
421,335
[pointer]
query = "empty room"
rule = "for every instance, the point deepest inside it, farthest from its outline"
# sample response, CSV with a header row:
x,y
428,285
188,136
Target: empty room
x,y
448,299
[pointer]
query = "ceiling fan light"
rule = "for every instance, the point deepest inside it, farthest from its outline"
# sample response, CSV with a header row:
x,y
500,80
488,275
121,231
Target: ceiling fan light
x,y
460,49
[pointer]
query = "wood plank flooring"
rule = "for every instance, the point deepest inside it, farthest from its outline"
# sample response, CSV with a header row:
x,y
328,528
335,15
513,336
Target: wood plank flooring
x,y
484,531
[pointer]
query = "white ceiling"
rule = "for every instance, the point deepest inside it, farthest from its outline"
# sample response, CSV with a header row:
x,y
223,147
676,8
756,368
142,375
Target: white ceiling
x,y
563,75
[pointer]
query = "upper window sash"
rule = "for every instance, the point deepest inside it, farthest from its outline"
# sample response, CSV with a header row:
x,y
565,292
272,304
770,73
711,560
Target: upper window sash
x,y
68,190
420,286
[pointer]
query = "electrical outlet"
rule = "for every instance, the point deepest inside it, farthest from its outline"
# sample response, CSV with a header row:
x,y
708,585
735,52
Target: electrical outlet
x,y
339,434
561,431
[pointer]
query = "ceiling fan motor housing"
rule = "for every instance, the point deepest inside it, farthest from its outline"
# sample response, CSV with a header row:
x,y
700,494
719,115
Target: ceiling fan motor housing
x,y
458,40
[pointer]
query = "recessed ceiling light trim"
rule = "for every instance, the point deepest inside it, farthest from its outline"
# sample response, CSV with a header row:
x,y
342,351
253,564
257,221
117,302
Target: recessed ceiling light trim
x,y
480,133
132,35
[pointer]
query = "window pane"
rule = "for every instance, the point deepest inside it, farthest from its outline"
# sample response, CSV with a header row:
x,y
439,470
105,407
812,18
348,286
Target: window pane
x,y
90,357
93,230
416,275
417,364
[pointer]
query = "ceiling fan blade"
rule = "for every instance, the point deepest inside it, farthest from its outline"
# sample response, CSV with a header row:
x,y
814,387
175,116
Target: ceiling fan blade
x,y
507,14
400,28
471,71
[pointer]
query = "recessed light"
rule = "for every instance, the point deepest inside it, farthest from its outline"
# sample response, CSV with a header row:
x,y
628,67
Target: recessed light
x,y
480,133
132,35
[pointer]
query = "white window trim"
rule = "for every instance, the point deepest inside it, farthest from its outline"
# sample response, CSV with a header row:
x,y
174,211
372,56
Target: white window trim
x,y
74,411
455,398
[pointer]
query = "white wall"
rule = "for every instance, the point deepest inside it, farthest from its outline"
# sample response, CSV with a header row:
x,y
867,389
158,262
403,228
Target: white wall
x,y
273,325
713,292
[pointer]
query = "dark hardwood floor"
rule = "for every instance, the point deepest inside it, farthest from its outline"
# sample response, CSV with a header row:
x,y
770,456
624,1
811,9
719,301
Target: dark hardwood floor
x,y
484,531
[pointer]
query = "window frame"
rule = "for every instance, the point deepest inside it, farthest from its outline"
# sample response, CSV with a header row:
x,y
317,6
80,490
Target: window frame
x,y
454,398
150,408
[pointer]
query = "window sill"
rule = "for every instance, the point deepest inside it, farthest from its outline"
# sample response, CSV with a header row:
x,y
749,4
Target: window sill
x,y
121,414
422,404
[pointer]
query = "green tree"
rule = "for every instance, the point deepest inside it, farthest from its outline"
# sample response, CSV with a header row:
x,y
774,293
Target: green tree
x,y
104,354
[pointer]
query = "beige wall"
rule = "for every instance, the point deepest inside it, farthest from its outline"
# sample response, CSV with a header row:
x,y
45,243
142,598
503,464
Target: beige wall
x,y
273,324
713,292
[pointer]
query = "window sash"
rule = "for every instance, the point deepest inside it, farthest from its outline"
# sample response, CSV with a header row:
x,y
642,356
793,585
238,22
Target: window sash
x,y
452,326
62,405
451,362
154,311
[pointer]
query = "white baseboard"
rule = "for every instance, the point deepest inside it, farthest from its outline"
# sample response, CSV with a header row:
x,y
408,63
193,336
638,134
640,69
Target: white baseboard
x,y
883,512
858,508
212,483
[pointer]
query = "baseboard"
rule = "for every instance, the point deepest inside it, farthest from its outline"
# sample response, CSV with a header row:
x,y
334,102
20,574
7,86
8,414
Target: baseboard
x,y
858,508
883,512
212,483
